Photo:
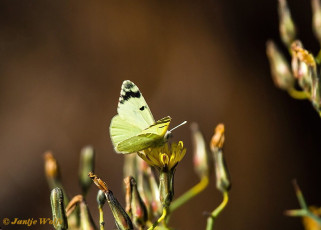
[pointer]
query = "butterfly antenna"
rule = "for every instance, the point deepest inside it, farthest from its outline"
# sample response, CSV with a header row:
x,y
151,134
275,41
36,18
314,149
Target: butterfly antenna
x,y
183,123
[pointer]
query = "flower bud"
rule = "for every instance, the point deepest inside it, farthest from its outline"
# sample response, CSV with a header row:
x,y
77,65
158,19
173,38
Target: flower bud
x,y
122,220
51,167
87,158
202,158
316,21
222,175
58,209
135,205
218,137
52,172
223,182
101,198
303,66
286,24
295,62
279,66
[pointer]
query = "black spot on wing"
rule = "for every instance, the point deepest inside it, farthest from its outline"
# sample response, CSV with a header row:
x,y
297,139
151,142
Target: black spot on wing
x,y
142,108
128,85
126,95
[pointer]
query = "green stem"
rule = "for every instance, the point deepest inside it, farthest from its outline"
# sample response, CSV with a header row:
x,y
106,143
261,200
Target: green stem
x,y
300,95
299,195
101,217
318,58
303,212
160,219
216,212
189,194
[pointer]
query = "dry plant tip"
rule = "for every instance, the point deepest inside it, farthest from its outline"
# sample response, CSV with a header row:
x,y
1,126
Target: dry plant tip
x,y
98,182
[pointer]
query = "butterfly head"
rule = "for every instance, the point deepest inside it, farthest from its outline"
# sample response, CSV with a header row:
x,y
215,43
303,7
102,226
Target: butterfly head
x,y
169,133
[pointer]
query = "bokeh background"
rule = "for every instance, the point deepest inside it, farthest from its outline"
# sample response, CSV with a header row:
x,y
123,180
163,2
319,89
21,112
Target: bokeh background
x,y
61,67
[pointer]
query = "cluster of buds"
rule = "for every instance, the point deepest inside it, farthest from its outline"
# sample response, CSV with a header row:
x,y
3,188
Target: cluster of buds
x,y
149,184
302,79
74,213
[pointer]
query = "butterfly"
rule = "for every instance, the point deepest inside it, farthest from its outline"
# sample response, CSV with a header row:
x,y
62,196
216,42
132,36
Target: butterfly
x,y
134,128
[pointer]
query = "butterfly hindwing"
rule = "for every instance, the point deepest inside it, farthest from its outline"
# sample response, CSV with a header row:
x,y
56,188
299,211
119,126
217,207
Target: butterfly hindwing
x,y
121,130
140,142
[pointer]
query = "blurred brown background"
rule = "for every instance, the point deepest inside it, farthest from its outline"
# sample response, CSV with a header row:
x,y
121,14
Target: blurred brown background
x,y
61,68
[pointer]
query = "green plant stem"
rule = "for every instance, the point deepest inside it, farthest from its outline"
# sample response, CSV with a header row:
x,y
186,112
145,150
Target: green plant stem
x,y
160,219
216,212
300,95
318,58
303,212
101,217
189,194
301,199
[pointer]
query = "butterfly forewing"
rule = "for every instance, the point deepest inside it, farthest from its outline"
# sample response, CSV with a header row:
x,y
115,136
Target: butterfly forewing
x,y
134,128
133,108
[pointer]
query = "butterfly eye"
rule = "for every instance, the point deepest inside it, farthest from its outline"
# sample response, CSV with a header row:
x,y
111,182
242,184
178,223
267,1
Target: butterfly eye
x,y
168,135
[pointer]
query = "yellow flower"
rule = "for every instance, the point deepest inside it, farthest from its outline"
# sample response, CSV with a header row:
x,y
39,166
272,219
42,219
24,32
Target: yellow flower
x,y
164,156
